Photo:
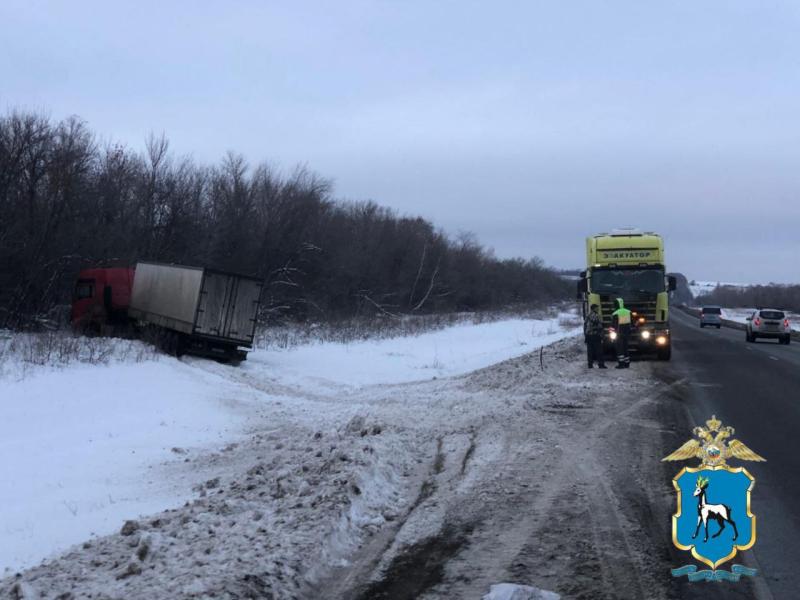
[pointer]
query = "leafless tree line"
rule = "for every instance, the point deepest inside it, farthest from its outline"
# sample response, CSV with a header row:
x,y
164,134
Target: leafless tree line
x,y
68,202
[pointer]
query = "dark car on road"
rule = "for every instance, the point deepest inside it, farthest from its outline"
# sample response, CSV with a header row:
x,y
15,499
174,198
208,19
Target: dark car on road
x,y
711,315
769,323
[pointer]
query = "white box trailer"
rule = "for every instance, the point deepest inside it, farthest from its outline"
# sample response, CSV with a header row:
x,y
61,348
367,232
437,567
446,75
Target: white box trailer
x,y
203,311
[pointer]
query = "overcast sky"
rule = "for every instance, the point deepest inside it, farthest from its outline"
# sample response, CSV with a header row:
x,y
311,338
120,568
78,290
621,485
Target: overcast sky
x,y
532,124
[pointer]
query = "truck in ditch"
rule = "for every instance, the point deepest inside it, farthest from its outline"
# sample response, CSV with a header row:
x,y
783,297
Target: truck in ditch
x,y
191,310
629,264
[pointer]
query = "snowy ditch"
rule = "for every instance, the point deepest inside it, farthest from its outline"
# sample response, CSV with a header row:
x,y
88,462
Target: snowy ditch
x,y
287,462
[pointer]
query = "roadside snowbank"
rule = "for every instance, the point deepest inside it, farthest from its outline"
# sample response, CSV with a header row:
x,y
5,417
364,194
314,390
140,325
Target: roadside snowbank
x,y
25,354
78,446
443,353
90,446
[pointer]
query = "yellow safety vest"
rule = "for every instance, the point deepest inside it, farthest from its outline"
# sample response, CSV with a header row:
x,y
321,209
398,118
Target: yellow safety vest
x,y
623,316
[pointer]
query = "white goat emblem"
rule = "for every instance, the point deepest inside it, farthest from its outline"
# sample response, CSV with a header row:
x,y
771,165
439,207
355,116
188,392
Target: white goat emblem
x,y
705,511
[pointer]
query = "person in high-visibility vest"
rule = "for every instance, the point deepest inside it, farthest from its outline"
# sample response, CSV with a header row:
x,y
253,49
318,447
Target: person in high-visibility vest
x,y
621,319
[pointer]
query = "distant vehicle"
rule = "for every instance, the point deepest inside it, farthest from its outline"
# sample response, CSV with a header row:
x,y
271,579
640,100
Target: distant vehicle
x,y
188,309
711,315
768,323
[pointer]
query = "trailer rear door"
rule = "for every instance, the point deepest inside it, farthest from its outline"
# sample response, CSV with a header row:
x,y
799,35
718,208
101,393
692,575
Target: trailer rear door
x,y
242,311
228,306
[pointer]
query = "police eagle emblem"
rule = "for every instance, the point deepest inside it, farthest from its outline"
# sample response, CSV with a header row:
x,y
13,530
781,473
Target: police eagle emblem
x,y
717,495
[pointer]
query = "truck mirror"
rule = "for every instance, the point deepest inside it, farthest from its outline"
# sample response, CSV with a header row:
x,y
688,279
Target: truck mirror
x,y
672,283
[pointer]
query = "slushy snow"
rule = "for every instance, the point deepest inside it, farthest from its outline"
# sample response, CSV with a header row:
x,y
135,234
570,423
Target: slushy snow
x,y
86,447
512,591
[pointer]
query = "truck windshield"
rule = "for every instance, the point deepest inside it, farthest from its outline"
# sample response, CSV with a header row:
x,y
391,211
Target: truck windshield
x,y
608,281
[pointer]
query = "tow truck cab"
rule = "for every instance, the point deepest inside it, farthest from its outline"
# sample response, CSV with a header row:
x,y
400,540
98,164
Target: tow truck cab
x,y
629,264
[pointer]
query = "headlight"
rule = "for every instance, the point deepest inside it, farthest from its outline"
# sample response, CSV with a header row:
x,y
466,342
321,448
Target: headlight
x,y
661,340
645,335
612,335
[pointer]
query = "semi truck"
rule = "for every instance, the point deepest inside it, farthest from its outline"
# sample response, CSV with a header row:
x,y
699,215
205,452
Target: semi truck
x,y
192,310
629,264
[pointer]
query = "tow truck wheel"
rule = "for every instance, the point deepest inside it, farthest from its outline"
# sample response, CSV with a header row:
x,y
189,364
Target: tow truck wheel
x,y
665,353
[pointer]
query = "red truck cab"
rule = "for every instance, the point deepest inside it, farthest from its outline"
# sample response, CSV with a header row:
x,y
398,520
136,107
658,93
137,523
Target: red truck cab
x,y
101,297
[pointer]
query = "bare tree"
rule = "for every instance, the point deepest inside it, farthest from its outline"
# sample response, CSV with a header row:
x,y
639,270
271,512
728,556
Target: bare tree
x,y
66,203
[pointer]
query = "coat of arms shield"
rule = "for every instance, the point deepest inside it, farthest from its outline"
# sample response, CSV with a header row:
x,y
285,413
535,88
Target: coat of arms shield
x,y
713,519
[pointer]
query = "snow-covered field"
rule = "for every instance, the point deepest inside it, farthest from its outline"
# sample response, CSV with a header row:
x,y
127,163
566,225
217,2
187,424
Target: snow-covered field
x,y
86,446
452,351
700,288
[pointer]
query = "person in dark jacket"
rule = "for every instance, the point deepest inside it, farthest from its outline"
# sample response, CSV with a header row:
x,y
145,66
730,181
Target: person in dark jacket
x,y
621,319
593,335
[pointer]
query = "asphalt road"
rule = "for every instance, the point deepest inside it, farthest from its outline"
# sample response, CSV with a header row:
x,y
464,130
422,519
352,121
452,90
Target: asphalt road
x,y
754,388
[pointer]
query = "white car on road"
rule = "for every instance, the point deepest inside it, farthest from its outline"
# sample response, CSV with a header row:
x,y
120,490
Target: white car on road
x,y
769,323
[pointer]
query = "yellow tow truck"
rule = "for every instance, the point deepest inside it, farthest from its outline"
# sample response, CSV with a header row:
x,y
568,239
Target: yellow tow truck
x,y
629,264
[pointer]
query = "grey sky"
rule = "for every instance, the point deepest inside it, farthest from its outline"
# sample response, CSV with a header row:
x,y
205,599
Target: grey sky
x,y
532,124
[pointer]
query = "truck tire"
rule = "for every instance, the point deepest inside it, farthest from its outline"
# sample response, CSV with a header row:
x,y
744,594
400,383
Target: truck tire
x,y
665,353
180,345
171,343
